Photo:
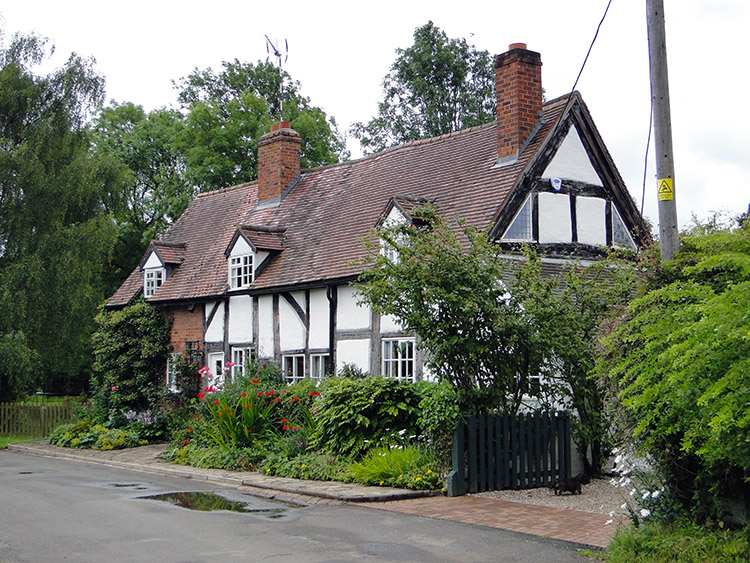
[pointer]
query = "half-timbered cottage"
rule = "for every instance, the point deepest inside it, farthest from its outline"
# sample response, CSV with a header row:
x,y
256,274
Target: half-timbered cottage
x,y
267,267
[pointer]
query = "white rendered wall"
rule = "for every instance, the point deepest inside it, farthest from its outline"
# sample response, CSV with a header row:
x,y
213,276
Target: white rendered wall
x,y
349,315
265,326
571,162
291,328
389,324
591,220
153,261
241,247
215,331
319,319
554,218
240,319
355,352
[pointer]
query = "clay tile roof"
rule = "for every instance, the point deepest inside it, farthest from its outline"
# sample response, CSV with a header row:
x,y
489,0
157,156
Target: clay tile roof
x,y
169,253
321,222
264,238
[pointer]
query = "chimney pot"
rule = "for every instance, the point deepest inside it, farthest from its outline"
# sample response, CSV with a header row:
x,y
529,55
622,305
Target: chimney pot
x,y
516,46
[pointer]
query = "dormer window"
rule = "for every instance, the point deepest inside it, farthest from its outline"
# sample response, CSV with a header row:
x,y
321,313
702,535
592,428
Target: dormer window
x,y
152,280
240,271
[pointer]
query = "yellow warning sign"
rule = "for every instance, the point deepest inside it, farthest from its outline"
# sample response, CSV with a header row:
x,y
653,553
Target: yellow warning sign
x,y
666,189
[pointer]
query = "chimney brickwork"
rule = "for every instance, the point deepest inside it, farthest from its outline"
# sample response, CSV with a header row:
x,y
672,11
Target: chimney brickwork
x,y
518,83
278,161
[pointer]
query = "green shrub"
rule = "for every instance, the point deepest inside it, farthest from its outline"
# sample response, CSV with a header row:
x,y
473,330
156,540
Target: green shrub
x,y
678,542
439,414
215,457
354,415
318,466
406,467
85,434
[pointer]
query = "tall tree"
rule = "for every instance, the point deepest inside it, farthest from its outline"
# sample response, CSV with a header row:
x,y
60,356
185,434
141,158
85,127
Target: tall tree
x,y
228,112
145,162
55,238
436,86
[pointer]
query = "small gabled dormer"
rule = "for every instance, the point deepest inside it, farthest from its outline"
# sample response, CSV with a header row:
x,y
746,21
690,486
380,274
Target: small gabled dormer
x,y
249,252
158,264
399,211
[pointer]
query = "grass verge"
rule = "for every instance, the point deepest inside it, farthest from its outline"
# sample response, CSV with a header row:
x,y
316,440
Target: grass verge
x,y
5,440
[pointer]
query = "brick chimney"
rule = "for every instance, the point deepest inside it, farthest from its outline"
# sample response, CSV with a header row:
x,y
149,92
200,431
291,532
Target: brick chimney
x,y
278,162
518,84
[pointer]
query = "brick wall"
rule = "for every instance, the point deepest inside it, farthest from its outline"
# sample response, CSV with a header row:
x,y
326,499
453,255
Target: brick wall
x,y
518,82
187,326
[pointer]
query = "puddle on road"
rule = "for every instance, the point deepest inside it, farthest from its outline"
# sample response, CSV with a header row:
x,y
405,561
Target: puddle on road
x,y
207,501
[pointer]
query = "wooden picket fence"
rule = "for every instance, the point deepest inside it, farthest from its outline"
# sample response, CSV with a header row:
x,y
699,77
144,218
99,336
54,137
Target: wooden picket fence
x,y
32,420
496,452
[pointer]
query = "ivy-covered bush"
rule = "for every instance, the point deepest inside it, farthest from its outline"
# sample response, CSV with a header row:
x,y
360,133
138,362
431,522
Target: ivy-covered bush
x,y
130,354
354,415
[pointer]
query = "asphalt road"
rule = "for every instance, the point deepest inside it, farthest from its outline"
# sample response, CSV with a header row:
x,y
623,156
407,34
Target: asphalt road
x,y
63,510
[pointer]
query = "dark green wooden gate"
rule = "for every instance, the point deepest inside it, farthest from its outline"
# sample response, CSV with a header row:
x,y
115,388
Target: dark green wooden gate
x,y
524,451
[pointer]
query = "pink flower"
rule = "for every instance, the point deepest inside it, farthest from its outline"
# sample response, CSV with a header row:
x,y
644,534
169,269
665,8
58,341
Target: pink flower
x,y
114,388
230,364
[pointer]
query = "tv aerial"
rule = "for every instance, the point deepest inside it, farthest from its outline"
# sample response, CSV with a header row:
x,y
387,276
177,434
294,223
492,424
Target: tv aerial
x,y
273,50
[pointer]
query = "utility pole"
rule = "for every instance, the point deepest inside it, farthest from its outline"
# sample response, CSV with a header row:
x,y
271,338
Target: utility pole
x,y
657,49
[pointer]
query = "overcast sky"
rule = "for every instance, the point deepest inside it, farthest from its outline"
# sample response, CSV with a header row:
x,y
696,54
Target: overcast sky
x,y
340,52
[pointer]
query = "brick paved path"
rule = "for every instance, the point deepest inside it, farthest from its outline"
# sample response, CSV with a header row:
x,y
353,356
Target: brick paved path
x,y
558,523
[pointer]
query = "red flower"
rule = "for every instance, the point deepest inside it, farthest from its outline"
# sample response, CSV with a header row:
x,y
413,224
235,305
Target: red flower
x,y
244,395
260,393
219,415
285,427
216,402
255,381
312,393
283,420
184,443
247,406
197,417
278,399
190,430
295,400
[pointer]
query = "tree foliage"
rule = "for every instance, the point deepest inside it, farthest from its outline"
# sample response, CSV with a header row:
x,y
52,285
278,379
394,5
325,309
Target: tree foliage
x,y
681,359
226,114
497,329
436,86
55,237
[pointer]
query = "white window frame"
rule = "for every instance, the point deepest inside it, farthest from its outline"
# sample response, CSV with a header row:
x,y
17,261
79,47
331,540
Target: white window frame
x,y
530,231
293,367
318,366
153,278
241,271
171,376
399,358
240,356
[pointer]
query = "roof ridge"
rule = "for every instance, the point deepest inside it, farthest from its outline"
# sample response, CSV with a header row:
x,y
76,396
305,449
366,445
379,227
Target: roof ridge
x,y
227,189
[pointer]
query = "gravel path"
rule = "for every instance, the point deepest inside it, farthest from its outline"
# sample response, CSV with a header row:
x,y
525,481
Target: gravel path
x,y
599,496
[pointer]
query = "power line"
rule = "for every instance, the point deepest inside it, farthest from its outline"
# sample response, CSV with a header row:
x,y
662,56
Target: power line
x,y
591,46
